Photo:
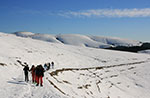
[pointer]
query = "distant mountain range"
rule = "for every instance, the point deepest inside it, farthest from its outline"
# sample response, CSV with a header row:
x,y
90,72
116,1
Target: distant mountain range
x,y
112,43
81,40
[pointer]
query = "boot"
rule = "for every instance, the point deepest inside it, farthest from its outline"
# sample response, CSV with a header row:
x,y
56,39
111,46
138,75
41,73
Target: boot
x,y
37,84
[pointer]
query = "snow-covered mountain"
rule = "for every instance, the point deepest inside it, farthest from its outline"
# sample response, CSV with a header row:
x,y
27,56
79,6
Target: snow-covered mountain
x,y
79,72
81,40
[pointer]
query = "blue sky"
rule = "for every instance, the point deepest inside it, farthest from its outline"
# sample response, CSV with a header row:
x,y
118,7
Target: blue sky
x,y
118,18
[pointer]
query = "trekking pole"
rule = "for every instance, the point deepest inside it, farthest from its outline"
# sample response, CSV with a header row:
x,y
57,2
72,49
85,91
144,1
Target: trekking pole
x,y
22,76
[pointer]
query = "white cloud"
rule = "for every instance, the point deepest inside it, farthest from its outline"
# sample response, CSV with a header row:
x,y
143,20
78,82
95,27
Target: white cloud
x,y
145,12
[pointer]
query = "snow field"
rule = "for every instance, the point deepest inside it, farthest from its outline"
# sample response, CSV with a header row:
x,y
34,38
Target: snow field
x,y
79,72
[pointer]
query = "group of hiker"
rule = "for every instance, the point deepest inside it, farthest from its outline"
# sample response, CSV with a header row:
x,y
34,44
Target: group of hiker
x,y
37,72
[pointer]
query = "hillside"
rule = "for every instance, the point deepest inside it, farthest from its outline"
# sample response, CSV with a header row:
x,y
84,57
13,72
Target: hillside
x,y
81,40
143,47
145,51
80,72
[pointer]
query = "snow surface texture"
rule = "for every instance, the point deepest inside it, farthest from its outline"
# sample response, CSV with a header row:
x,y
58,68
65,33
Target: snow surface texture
x,y
81,40
145,51
79,72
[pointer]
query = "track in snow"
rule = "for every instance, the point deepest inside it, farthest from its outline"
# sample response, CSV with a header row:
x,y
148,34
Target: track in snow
x,y
101,78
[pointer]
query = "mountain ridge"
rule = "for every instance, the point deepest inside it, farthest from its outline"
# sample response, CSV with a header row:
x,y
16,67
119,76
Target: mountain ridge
x,y
81,40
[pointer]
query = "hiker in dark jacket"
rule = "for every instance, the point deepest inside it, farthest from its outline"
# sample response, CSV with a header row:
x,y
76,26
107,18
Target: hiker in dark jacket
x,y
45,66
26,70
39,75
49,65
52,63
33,73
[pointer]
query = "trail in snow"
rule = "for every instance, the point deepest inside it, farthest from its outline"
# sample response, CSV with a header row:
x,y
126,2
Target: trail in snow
x,y
104,78
53,87
21,89
101,67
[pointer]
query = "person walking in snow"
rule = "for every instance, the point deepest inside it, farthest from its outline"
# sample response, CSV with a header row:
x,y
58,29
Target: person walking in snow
x,y
52,64
26,70
39,75
45,66
48,66
33,73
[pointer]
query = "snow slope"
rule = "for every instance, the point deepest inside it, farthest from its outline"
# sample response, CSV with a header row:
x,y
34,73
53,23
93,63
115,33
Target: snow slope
x,y
115,41
81,40
145,51
79,72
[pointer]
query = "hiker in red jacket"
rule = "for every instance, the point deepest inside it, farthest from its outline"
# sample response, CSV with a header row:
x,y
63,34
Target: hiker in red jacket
x,y
33,73
39,75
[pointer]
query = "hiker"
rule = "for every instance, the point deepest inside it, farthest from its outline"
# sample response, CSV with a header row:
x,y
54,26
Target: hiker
x,y
52,64
39,75
48,66
45,66
36,77
33,73
26,70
